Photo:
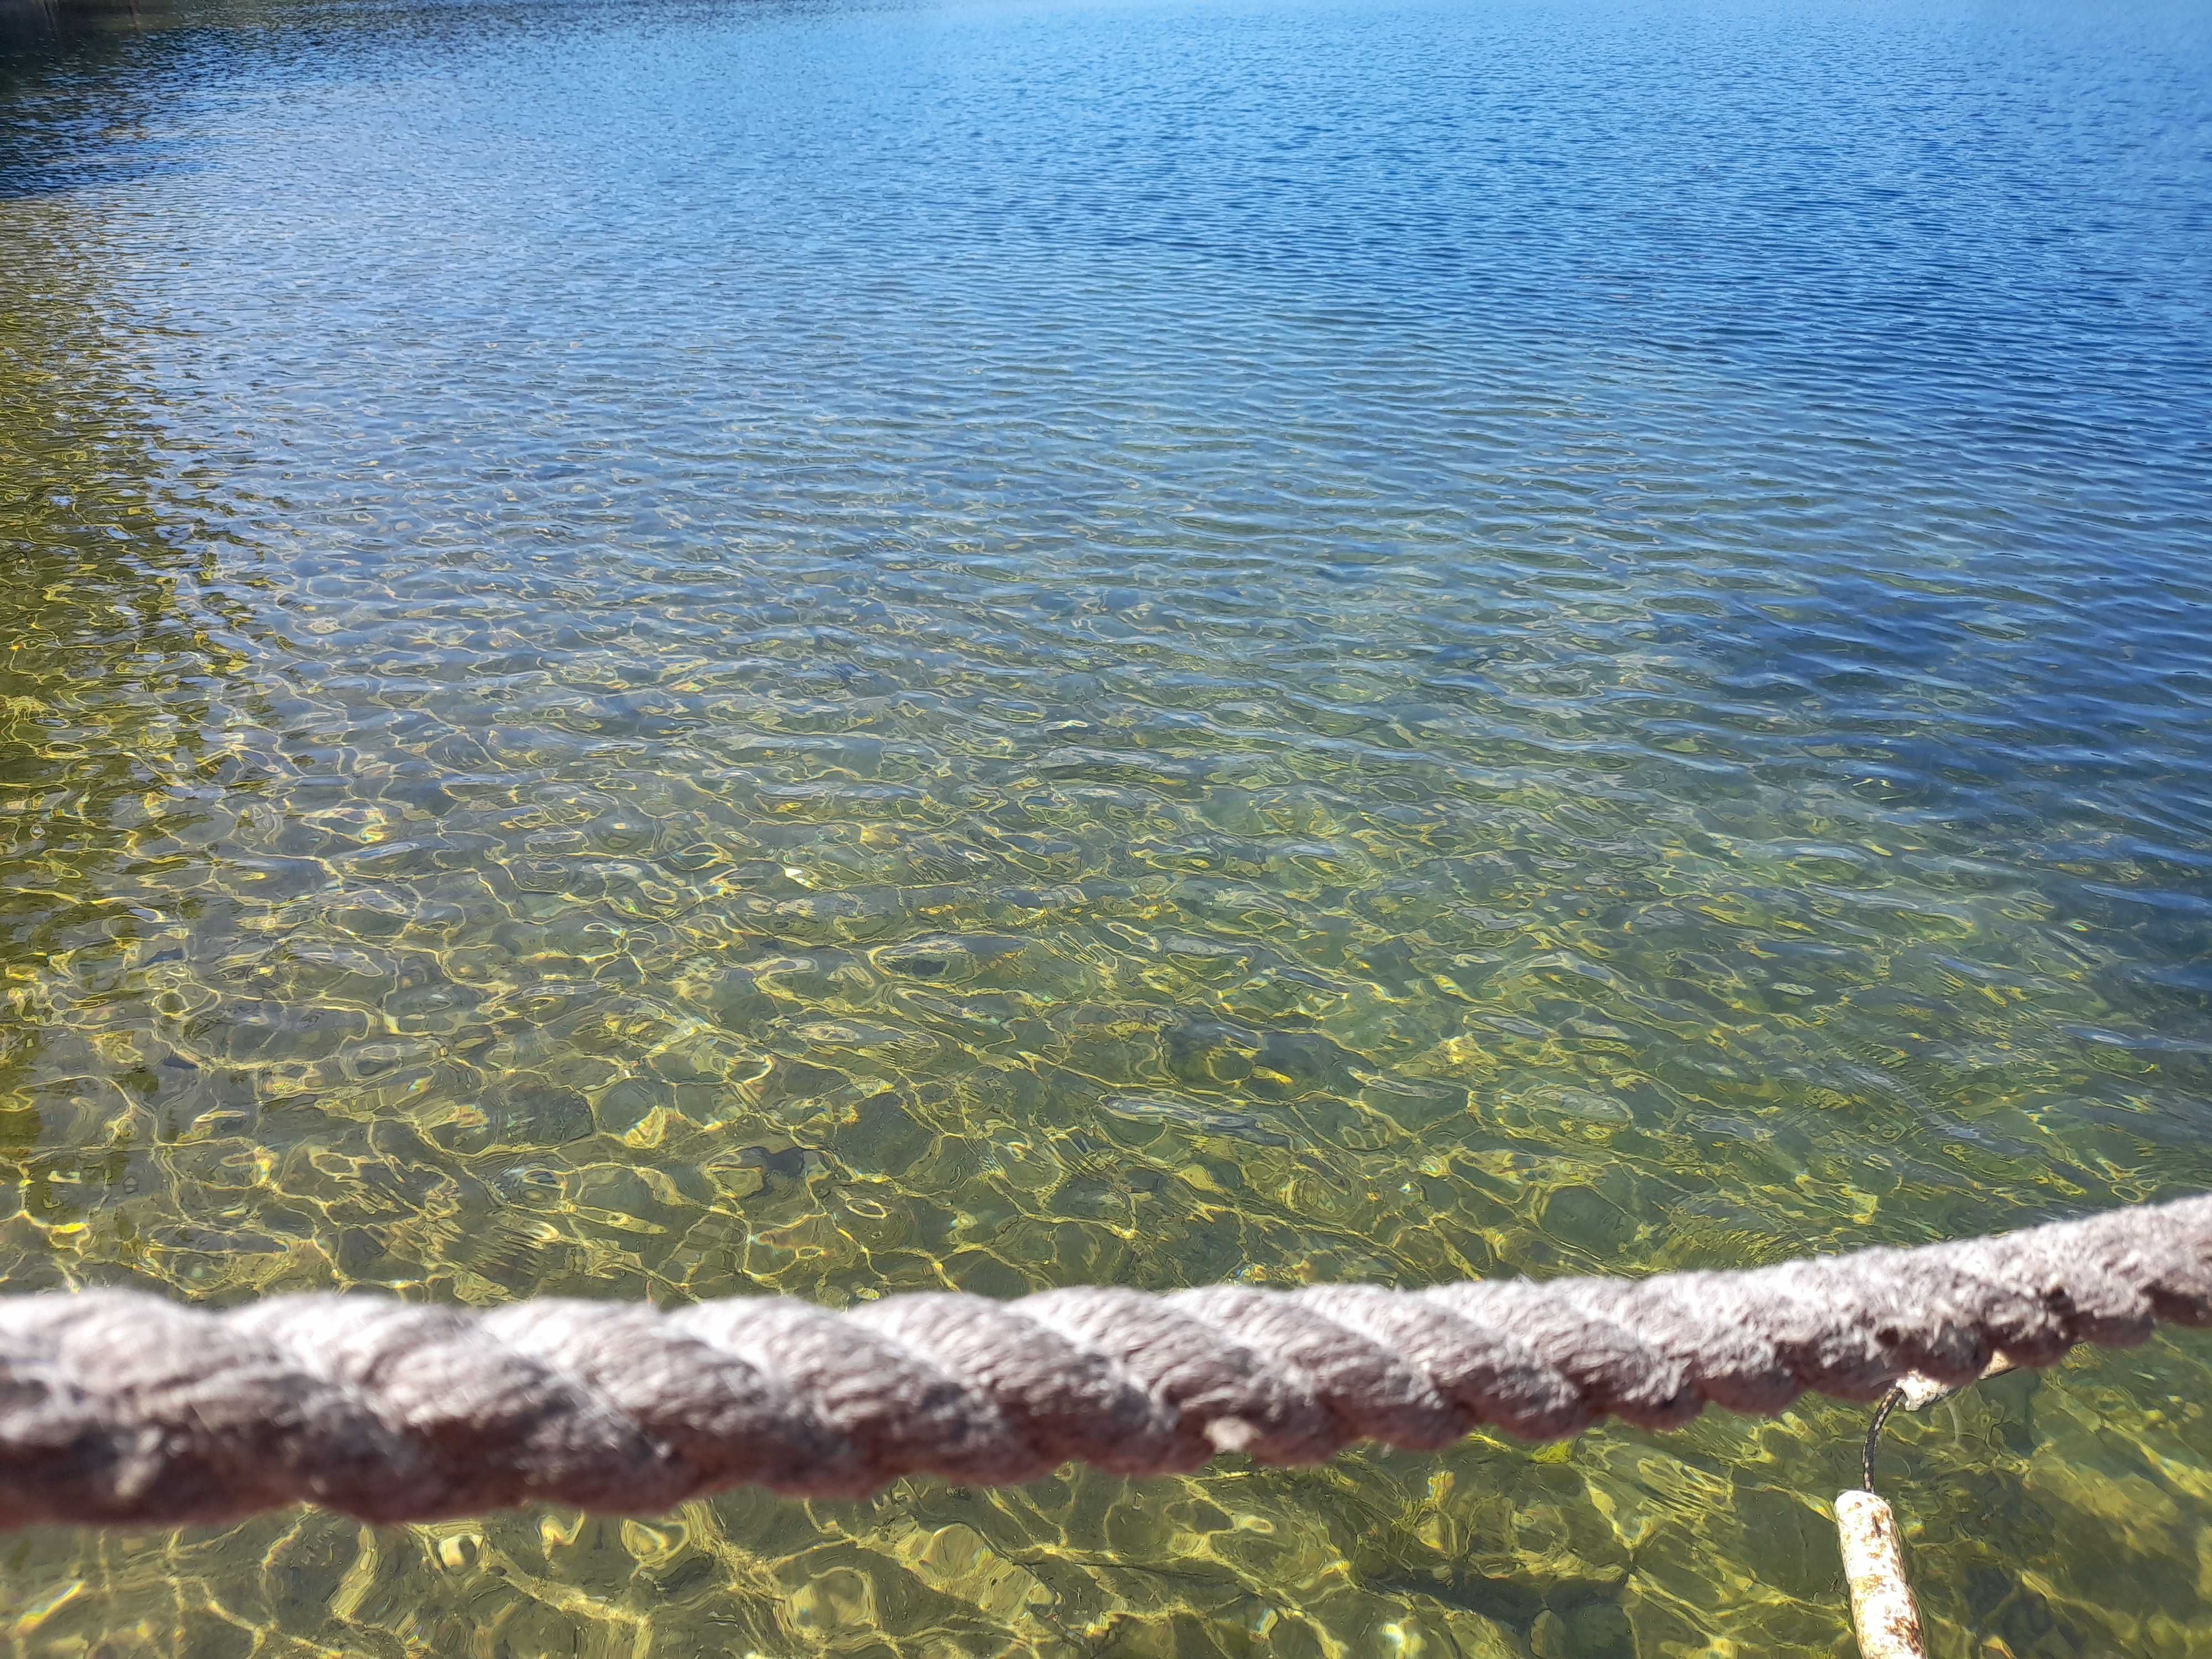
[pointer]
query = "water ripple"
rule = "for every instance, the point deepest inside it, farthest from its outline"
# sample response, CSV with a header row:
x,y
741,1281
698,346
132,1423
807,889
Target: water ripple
x,y
661,650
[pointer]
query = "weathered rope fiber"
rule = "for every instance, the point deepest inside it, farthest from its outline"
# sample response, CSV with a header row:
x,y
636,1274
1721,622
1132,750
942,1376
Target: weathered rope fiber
x,y
122,1408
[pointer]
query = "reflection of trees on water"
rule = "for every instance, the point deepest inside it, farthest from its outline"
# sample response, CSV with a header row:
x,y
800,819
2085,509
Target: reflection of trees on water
x,y
33,23
74,102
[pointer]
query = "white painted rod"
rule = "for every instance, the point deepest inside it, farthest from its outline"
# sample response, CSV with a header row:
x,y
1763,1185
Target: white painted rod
x,y
1873,1564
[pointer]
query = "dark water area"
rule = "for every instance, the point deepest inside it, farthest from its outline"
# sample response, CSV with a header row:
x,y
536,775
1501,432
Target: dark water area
x,y
669,650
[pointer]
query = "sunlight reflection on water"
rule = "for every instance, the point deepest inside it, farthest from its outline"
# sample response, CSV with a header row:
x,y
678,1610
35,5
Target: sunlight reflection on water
x,y
664,651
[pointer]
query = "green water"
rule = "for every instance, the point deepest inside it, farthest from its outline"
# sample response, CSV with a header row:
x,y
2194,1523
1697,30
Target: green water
x,y
668,652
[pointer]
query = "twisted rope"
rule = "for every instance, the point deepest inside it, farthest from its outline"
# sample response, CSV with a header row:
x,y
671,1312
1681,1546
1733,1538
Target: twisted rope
x,y
122,1408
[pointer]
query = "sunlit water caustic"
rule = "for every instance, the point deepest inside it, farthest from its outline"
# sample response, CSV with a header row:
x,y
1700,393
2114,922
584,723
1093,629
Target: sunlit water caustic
x,y
665,650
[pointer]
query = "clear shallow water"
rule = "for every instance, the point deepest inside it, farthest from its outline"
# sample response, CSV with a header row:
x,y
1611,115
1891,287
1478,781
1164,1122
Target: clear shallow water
x,y
661,651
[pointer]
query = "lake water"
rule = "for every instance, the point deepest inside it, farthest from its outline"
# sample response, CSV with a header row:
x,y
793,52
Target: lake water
x,y
670,649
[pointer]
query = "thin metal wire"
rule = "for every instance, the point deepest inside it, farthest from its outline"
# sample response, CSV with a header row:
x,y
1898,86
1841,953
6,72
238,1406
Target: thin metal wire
x,y
1889,1403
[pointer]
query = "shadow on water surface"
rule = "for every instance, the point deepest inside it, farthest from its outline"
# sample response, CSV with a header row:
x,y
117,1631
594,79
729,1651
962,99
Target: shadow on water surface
x,y
112,666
